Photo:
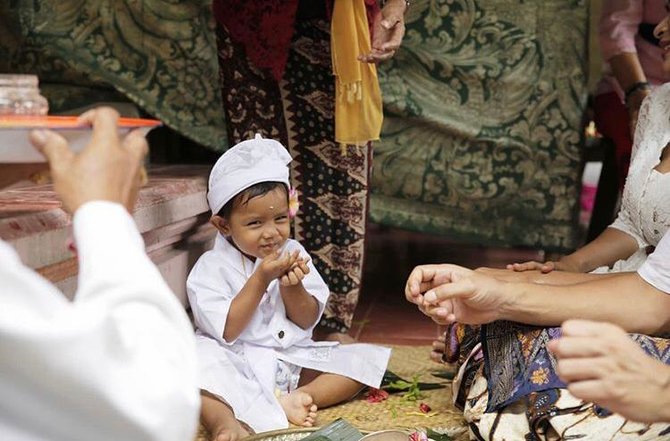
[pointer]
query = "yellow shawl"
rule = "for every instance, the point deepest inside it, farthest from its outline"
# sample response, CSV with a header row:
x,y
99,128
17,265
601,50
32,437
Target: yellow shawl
x,y
358,100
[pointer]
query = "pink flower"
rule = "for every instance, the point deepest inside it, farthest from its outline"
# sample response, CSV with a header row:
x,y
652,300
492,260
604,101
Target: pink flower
x,y
375,395
293,204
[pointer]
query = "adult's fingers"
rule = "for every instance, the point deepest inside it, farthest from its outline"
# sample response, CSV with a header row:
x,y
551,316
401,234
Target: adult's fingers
x,y
577,347
580,369
589,328
393,43
390,19
448,291
105,121
589,390
136,143
53,146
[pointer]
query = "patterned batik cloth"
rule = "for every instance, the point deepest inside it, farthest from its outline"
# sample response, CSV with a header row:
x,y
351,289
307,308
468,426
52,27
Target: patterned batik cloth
x,y
298,112
159,54
508,389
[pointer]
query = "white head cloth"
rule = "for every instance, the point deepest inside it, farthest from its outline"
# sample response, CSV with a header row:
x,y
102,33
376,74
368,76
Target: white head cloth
x,y
245,164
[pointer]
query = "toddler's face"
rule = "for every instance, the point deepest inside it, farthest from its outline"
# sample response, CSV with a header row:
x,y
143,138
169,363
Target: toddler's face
x,y
261,225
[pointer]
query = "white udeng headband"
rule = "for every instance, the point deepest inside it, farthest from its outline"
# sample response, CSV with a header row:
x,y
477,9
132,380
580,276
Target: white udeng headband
x,y
245,164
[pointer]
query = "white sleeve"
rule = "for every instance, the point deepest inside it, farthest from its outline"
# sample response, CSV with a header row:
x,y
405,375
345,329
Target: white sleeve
x,y
624,221
116,363
656,269
210,296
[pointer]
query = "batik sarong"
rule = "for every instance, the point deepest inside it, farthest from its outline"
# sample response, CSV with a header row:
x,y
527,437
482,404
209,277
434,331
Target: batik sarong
x,y
508,388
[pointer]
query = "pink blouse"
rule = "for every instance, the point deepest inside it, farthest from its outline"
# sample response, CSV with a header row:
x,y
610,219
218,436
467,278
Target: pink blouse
x,y
618,33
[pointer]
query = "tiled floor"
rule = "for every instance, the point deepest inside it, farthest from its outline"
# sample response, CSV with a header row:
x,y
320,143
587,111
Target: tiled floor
x,y
383,315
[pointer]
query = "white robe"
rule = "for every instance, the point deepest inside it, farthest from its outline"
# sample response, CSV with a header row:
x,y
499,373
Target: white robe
x,y
117,363
243,371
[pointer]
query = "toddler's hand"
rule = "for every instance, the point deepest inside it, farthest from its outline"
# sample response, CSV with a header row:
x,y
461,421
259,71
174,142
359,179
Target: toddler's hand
x,y
296,273
276,264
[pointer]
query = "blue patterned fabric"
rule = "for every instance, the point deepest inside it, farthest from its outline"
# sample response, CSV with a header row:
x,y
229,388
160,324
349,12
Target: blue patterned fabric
x,y
518,363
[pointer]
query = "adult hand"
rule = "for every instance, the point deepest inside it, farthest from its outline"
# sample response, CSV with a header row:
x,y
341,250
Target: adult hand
x,y
388,28
424,277
603,365
456,294
108,169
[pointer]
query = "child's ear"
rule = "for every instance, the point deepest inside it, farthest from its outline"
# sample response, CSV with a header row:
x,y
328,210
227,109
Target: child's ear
x,y
220,224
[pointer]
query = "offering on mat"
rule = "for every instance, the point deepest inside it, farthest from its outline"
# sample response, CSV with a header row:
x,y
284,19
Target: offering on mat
x,y
14,129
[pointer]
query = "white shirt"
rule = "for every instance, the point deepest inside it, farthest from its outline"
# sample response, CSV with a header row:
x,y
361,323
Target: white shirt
x,y
656,270
247,371
117,363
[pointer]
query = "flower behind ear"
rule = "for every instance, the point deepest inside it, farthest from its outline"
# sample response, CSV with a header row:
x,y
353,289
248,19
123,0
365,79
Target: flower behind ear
x,y
293,203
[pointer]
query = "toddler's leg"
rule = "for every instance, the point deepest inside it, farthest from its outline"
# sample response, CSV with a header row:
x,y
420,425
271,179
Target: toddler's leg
x,y
329,389
219,419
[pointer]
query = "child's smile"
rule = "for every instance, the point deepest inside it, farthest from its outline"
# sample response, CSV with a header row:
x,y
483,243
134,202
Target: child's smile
x,y
260,225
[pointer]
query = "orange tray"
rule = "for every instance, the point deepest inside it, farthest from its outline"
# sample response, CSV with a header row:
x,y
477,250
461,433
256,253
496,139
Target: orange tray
x,y
15,146
66,122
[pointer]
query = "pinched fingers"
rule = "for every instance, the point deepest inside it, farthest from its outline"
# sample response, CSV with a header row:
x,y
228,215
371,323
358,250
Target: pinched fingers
x,y
105,122
448,291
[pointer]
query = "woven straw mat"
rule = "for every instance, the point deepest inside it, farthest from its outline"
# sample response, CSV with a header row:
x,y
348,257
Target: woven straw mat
x,y
397,412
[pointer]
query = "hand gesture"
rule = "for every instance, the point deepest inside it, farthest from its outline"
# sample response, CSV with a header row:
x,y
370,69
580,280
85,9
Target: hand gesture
x,y
296,273
277,264
388,28
455,294
601,363
108,169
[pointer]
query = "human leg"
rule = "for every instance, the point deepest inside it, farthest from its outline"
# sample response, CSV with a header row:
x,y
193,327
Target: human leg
x,y
219,419
330,389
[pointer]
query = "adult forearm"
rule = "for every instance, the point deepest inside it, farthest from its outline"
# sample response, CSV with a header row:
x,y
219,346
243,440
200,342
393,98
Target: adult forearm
x,y
560,278
301,307
624,299
606,249
627,69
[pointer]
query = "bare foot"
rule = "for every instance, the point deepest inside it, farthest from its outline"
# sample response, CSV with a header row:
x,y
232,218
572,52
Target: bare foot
x,y
299,408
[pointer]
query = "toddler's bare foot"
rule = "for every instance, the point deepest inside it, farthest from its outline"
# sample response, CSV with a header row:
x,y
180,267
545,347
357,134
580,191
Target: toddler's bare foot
x,y
299,408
